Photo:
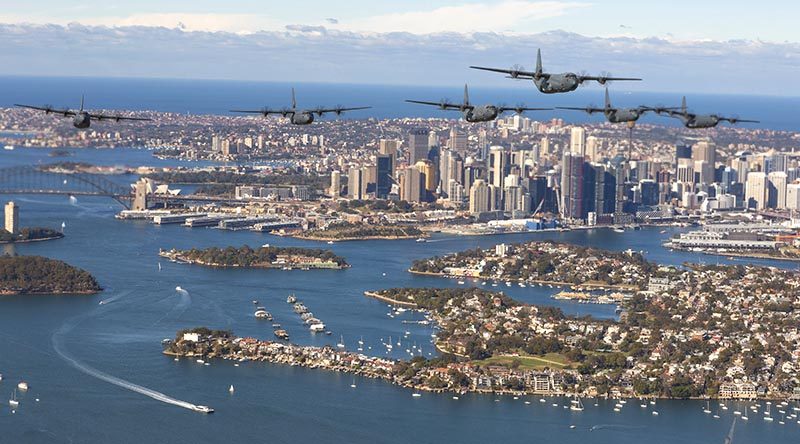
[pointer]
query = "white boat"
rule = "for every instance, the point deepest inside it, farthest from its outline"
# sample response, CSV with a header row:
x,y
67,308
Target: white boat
x,y
13,402
353,385
9,147
318,327
22,386
618,230
203,409
576,405
262,313
460,282
455,397
330,242
655,413
421,240
416,395
231,389
340,344
291,299
361,341
707,410
200,361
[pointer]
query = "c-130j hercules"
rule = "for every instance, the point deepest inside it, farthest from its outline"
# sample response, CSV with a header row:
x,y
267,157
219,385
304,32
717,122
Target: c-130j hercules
x,y
553,83
299,117
477,113
80,118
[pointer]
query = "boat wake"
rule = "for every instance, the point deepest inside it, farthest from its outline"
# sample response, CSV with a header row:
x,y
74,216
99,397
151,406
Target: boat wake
x,y
613,427
114,298
179,308
58,347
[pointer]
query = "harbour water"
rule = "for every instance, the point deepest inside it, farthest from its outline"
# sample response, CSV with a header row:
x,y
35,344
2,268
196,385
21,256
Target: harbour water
x,y
98,374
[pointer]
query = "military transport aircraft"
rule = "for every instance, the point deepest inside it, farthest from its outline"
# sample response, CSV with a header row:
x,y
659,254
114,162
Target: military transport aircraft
x,y
691,120
299,117
553,83
80,118
618,115
477,113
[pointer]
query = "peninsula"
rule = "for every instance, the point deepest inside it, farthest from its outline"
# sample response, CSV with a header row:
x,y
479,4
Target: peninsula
x,y
351,232
29,235
285,258
40,275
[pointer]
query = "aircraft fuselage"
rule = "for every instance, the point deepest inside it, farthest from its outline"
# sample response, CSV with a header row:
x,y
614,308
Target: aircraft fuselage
x,y
702,121
623,115
557,83
81,120
302,118
483,113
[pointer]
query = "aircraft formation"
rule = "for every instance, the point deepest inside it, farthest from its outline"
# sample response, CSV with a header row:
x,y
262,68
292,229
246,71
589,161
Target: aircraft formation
x,y
547,83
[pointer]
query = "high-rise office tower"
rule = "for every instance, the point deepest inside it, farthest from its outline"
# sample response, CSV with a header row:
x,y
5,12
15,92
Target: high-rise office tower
x,y
356,183
793,196
756,190
458,141
427,169
479,197
412,185
389,147
682,151
383,175
705,150
577,141
593,148
418,145
336,184
455,192
497,165
12,218
572,185
775,162
685,171
777,189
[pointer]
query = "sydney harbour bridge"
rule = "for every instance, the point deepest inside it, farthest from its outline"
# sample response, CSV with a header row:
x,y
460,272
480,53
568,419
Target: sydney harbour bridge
x,y
37,180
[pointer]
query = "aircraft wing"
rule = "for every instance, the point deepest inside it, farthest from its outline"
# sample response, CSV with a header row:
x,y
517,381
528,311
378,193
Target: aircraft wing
x,y
513,73
588,109
264,112
735,120
602,79
442,105
101,117
520,109
48,110
337,110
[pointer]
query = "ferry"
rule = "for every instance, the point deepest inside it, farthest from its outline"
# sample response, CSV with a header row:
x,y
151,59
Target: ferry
x,y
203,409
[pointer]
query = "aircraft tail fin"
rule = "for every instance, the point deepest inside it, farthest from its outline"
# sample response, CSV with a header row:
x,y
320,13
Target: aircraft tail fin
x,y
466,95
294,101
608,100
82,102
538,61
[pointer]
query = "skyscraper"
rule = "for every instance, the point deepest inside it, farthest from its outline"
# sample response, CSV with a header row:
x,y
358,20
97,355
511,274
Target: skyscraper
x,y
336,184
418,145
572,185
777,190
12,217
356,183
756,190
705,150
479,197
412,185
577,141
458,141
793,196
497,165
383,173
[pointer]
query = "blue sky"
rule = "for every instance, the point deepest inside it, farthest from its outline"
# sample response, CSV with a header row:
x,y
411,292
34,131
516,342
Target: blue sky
x,y
696,46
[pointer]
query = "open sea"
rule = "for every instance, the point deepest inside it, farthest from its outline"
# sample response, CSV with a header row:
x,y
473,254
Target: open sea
x,y
219,96
89,366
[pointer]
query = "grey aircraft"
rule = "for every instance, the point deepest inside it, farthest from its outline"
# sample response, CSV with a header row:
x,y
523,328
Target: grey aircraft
x,y
300,117
691,120
477,113
553,83
80,118
618,115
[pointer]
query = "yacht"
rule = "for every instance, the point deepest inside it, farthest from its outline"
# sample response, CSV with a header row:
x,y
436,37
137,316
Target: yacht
x,y
262,313
231,389
619,230
421,240
9,147
361,341
576,405
707,410
318,327
22,386
203,409
330,242
340,344
13,401
353,385
655,413
416,395
291,299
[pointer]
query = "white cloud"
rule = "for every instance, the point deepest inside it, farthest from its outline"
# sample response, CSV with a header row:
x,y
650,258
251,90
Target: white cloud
x,y
234,23
476,17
